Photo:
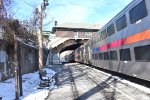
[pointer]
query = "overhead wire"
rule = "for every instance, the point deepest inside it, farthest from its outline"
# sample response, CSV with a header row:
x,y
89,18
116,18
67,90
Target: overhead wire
x,y
28,4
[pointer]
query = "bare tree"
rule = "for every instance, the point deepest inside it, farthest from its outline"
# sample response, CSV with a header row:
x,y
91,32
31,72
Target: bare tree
x,y
5,8
13,27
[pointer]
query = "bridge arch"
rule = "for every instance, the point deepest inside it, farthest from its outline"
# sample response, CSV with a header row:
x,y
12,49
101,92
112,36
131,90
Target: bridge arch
x,y
69,44
70,47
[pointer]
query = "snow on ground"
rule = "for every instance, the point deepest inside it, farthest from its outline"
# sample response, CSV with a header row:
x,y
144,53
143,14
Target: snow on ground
x,y
30,83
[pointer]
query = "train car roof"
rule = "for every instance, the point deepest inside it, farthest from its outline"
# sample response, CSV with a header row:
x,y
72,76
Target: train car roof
x,y
121,13
118,15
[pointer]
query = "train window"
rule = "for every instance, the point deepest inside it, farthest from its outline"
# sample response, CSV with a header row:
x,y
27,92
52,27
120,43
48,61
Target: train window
x,y
110,30
100,56
125,55
95,56
113,55
138,12
98,38
140,56
94,40
106,55
121,23
103,34
92,56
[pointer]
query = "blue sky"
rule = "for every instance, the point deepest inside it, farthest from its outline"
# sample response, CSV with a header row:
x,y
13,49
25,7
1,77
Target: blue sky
x,y
77,11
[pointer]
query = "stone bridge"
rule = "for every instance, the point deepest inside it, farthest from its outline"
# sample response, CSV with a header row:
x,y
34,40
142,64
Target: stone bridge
x,y
60,45
70,36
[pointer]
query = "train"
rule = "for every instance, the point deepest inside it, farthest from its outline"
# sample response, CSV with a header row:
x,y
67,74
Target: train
x,y
70,58
123,44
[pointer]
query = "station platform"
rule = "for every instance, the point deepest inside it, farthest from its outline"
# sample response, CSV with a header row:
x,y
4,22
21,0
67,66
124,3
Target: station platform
x,y
80,82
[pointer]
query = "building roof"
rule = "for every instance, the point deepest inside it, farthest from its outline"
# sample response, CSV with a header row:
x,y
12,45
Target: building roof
x,y
77,26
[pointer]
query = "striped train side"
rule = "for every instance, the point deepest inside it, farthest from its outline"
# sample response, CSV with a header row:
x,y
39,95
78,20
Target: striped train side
x,y
123,44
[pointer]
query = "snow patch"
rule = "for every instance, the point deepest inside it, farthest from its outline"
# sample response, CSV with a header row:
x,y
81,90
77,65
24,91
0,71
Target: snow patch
x,y
30,82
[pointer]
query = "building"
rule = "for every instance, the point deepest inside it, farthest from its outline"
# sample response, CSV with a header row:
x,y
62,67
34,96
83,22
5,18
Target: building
x,y
76,30
69,36
27,54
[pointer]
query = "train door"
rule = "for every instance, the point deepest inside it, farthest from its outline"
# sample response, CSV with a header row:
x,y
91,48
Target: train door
x,y
125,60
113,62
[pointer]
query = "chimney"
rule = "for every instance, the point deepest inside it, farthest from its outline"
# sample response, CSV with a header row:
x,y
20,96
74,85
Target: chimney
x,y
55,23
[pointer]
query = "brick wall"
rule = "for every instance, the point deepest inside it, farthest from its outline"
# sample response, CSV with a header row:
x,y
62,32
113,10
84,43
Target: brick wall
x,y
78,33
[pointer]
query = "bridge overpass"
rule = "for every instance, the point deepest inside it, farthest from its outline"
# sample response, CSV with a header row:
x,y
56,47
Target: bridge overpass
x,y
69,37
59,45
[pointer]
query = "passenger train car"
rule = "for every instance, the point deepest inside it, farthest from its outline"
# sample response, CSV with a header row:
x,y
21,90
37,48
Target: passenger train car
x,y
123,44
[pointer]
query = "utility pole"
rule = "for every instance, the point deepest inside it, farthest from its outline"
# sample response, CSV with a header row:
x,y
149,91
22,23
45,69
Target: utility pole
x,y
16,67
19,71
40,37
